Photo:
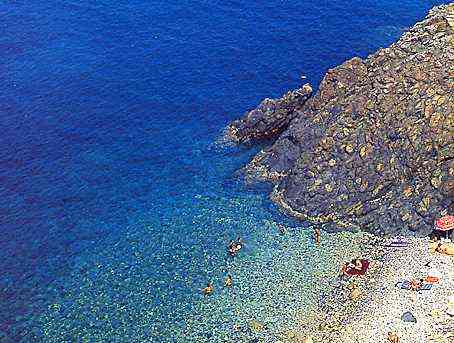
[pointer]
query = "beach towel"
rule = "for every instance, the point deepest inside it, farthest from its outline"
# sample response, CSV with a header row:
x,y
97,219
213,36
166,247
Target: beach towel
x,y
432,279
407,285
356,272
398,242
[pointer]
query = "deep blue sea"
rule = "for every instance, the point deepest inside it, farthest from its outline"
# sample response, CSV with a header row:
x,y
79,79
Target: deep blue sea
x,y
117,197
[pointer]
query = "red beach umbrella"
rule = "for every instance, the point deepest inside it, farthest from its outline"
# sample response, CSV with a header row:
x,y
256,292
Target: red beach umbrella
x,y
445,223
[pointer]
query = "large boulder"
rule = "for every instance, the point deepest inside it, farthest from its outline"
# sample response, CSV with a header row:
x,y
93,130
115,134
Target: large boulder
x,y
373,149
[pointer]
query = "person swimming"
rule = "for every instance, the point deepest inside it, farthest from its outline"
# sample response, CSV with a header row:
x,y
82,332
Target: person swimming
x,y
208,289
235,246
281,229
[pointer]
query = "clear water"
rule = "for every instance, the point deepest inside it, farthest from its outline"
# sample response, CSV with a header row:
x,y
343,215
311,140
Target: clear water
x,y
116,203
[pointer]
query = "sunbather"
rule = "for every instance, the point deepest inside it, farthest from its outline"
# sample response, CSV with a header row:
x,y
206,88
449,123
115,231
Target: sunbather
x,y
358,264
355,264
445,249
317,235
392,337
355,267
415,285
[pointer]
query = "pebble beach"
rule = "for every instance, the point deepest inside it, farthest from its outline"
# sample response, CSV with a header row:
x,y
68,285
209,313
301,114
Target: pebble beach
x,y
381,305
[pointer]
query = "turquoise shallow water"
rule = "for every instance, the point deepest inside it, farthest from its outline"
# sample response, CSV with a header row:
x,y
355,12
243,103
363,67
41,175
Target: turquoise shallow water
x,y
116,202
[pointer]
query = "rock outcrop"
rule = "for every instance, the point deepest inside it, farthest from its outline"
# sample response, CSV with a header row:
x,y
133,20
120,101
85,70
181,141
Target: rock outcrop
x,y
373,149
270,118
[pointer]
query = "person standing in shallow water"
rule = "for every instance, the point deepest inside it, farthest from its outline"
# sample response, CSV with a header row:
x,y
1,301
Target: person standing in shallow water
x,y
281,229
317,235
228,281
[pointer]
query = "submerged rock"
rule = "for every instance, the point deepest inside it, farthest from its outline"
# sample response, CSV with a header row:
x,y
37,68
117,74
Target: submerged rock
x,y
373,149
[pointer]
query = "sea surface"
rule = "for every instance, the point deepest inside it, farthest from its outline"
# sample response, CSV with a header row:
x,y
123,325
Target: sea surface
x,y
117,194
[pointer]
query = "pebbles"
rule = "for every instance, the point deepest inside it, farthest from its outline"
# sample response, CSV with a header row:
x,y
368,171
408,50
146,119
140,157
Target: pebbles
x,y
387,308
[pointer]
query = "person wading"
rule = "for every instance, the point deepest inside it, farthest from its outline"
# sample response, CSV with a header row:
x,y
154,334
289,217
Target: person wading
x,y
317,235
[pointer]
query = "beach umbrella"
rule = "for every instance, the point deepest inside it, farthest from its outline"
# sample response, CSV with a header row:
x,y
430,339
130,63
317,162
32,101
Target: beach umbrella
x,y
445,224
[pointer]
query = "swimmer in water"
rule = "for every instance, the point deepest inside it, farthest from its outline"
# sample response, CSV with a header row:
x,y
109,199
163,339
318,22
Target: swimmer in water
x,y
208,289
235,246
281,229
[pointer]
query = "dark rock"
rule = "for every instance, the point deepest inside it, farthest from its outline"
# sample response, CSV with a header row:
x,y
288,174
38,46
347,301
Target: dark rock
x,y
373,149
408,317
270,118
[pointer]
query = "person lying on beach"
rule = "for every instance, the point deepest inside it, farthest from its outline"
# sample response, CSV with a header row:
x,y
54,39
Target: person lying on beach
x,y
356,267
354,264
438,248
392,337
208,289
415,285
358,264
445,249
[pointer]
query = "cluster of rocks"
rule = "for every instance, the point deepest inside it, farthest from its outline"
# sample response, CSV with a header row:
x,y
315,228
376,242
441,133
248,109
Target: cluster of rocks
x,y
373,148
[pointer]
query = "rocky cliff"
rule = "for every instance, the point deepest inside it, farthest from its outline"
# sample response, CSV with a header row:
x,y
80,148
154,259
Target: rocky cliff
x,y
373,148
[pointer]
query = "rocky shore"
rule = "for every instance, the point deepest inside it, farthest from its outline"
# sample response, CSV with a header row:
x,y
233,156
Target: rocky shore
x,y
373,148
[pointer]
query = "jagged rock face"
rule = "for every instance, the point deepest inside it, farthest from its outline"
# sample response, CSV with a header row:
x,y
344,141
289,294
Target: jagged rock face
x,y
373,149
270,118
